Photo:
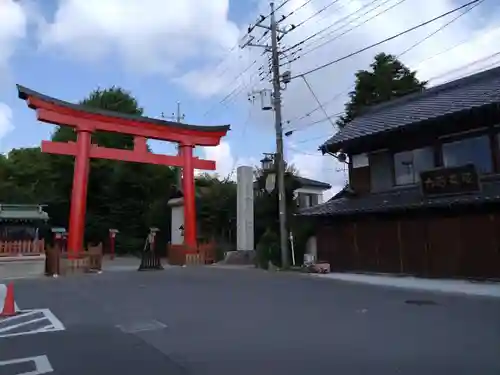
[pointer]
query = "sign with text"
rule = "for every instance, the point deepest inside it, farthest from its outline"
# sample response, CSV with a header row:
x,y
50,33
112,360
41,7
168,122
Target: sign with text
x,y
445,181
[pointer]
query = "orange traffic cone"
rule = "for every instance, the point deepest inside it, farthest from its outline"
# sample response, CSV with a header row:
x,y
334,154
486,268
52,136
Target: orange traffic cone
x,y
9,306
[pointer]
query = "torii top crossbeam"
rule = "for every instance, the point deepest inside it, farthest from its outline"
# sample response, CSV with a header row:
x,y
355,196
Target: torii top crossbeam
x,y
86,120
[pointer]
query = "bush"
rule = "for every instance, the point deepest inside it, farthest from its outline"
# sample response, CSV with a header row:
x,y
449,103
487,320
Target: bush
x,y
268,250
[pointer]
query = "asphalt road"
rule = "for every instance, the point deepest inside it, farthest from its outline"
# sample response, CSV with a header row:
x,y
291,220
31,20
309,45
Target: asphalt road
x,y
217,321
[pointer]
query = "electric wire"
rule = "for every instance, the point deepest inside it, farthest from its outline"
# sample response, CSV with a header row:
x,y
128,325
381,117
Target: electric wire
x,y
467,10
355,26
315,14
404,32
319,32
225,98
334,98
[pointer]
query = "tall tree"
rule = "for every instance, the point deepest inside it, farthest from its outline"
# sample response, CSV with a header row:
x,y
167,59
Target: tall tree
x,y
388,78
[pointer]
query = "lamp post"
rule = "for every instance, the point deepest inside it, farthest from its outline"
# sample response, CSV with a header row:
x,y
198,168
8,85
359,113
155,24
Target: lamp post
x,y
268,167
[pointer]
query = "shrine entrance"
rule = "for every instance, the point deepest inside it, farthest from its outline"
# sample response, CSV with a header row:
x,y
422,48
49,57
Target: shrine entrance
x,y
85,121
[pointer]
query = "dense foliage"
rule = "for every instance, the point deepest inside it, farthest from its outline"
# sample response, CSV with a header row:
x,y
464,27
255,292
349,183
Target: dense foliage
x,y
388,78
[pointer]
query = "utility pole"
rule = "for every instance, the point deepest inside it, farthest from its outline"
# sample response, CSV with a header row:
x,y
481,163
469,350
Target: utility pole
x,y
177,117
277,79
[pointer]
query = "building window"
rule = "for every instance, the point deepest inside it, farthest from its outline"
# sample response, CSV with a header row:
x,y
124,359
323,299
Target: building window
x,y
359,160
409,164
307,200
475,151
380,171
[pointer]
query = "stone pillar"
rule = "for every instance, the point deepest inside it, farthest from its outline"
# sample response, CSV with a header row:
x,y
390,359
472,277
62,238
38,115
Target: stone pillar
x,y
244,209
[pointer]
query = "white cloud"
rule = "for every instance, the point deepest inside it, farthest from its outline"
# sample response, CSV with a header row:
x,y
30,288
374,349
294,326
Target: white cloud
x,y
13,24
149,35
225,162
5,120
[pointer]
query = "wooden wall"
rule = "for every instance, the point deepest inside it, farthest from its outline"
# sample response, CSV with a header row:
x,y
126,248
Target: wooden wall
x,y
460,245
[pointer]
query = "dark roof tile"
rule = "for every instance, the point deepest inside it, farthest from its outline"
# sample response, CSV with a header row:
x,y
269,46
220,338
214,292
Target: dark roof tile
x,y
400,199
312,183
478,90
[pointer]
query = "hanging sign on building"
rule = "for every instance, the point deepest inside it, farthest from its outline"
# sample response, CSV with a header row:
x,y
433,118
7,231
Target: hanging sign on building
x,y
446,181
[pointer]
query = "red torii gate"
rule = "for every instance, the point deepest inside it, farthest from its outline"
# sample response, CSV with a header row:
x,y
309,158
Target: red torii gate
x,y
87,120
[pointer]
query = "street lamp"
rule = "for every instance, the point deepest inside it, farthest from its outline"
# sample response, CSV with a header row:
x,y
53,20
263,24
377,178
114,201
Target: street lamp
x,y
267,163
269,170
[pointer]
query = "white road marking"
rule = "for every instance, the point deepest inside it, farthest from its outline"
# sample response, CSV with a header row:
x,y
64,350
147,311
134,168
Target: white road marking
x,y
53,324
22,315
151,325
42,364
8,328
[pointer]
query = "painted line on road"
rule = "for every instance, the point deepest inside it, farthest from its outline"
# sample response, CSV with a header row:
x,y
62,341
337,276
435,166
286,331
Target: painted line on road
x,y
42,364
8,328
12,326
143,326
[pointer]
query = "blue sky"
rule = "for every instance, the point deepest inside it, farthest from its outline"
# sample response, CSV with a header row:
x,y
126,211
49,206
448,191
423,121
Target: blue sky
x,y
165,52
64,78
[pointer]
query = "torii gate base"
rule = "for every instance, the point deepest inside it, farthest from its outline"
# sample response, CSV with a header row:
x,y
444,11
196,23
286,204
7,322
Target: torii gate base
x,y
85,121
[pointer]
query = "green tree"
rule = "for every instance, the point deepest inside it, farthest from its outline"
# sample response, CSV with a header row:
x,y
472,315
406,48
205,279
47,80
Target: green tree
x,y
216,206
387,78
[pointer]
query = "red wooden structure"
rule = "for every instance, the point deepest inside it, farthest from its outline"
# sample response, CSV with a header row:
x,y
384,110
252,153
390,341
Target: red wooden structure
x,y
87,120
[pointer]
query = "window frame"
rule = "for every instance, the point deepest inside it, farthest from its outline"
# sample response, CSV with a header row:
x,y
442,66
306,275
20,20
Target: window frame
x,y
431,150
465,136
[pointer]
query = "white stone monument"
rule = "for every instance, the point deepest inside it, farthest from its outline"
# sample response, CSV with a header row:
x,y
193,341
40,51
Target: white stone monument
x,y
244,209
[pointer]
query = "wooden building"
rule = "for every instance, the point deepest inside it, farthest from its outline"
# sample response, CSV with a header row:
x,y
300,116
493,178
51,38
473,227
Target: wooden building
x,y
22,229
424,185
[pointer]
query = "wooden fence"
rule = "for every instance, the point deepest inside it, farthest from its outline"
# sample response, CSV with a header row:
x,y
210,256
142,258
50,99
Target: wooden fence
x,y
204,254
22,248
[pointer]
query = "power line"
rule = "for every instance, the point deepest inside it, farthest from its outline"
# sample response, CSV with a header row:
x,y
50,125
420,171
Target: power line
x,y
302,42
398,56
464,41
385,40
318,12
298,8
356,26
317,100
225,98
482,59
440,28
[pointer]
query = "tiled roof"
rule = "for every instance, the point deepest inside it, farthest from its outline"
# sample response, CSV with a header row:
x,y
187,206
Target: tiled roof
x,y
304,182
22,212
400,199
478,90
307,182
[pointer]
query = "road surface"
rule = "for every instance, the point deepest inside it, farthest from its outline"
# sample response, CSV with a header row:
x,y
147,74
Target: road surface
x,y
217,321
